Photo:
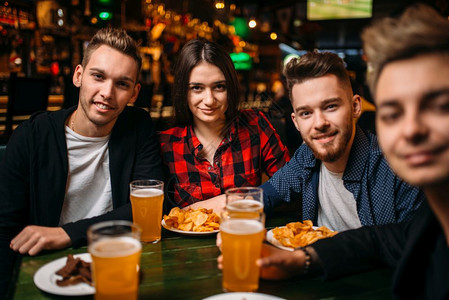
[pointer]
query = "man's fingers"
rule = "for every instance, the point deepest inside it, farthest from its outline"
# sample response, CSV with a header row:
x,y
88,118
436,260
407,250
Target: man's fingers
x,y
218,241
265,262
220,262
28,244
20,239
37,247
34,239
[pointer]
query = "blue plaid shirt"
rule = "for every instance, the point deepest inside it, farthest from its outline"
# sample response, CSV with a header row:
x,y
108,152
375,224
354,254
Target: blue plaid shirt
x,y
381,196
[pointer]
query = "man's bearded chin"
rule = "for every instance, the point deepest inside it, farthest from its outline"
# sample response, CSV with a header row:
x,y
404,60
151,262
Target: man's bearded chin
x,y
333,151
329,155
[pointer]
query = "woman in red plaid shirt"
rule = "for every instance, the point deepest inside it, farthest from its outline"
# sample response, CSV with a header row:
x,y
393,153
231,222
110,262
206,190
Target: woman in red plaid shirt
x,y
213,145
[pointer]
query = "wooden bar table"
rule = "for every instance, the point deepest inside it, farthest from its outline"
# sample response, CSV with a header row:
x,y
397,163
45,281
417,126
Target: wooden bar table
x,y
185,267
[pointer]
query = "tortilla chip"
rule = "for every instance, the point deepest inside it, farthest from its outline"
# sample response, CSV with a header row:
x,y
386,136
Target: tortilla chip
x,y
197,220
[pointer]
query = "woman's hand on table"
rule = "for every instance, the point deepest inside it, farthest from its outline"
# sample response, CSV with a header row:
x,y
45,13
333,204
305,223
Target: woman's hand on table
x,y
33,239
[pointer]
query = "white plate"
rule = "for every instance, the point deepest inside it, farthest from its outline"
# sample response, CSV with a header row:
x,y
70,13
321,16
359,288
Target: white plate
x,y
243,296
45,278
272,240
187,232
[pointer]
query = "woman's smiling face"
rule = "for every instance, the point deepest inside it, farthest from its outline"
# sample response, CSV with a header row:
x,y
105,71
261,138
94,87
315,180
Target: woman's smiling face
x,y
207,96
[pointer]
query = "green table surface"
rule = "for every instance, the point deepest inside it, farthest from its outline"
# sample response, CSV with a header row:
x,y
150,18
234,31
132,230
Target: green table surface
x,y
185,267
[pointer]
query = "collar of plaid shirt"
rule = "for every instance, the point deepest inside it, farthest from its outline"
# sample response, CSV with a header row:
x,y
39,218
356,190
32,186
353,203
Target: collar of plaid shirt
x,y
195,145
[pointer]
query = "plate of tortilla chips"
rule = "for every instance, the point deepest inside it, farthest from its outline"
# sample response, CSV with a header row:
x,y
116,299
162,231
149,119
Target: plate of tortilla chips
x,y
200,221
297,234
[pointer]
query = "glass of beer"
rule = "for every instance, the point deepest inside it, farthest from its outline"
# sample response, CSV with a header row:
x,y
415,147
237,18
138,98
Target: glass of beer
x,y
241,246
115,249
147,197
244,202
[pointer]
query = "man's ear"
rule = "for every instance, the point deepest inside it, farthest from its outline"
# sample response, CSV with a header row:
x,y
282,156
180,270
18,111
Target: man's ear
x,y
356,106
78,75
294,121
136,91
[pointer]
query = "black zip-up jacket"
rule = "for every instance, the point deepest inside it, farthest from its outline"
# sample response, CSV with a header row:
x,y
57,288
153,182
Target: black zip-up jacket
x,y
33,175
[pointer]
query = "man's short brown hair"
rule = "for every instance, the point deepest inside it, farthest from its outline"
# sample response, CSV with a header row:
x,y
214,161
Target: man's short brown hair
x,y
314,65
419,30
117,39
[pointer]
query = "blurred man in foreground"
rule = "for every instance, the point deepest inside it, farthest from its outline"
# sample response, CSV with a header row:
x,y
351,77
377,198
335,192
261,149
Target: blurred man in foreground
x,y
65,170
409,57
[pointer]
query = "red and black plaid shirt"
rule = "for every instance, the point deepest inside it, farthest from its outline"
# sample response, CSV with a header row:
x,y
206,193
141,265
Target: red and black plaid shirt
x,y
250,148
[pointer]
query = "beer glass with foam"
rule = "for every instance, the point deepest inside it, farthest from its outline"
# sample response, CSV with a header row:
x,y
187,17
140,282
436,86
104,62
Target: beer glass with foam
x,y
241,247
147,197
115,249
244,202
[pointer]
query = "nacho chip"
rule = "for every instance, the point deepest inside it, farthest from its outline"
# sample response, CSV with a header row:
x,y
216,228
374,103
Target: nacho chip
x,y
197,220
301,234
198,217
185,226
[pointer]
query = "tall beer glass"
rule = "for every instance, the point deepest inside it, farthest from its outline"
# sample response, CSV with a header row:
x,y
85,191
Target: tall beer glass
x,y
147,197
241,247
244,202
115,249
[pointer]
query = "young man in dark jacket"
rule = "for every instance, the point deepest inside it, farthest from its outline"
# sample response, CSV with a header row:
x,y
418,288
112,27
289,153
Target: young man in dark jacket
x,y
65,170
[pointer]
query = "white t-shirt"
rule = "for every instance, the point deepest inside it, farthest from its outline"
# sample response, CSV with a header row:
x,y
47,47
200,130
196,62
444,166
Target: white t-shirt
x,y
88,186
337,207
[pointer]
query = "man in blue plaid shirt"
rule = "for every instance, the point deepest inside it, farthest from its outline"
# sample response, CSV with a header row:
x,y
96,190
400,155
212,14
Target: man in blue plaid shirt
x,y
339,173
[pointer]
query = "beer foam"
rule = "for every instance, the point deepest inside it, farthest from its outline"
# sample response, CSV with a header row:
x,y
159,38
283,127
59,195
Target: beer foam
x,y
241,226
150,192
115,247
245,205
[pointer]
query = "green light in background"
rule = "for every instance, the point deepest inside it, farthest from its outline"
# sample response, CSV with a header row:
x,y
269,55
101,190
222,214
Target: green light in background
x,y
241,27
242,61
104,1
105,15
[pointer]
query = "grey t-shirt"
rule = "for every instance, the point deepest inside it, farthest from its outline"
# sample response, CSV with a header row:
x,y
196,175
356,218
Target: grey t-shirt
x,y
337,207
88,192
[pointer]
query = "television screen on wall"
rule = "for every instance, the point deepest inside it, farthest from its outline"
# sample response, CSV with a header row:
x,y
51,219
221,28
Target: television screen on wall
x,y
339,9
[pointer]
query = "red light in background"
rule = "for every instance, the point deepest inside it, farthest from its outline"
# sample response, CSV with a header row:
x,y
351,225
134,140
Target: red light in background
x,y
54,68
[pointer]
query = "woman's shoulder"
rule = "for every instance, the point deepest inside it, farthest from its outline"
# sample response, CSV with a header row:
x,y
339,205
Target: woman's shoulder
x,y
249,113
173,134
252,117
255,119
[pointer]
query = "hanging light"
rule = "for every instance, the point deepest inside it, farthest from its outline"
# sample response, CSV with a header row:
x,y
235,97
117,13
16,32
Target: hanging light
x,y
219,4
273,36
87,11
105,15
252,23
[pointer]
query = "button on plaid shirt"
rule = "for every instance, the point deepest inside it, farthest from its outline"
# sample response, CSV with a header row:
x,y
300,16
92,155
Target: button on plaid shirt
x,y
250,147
